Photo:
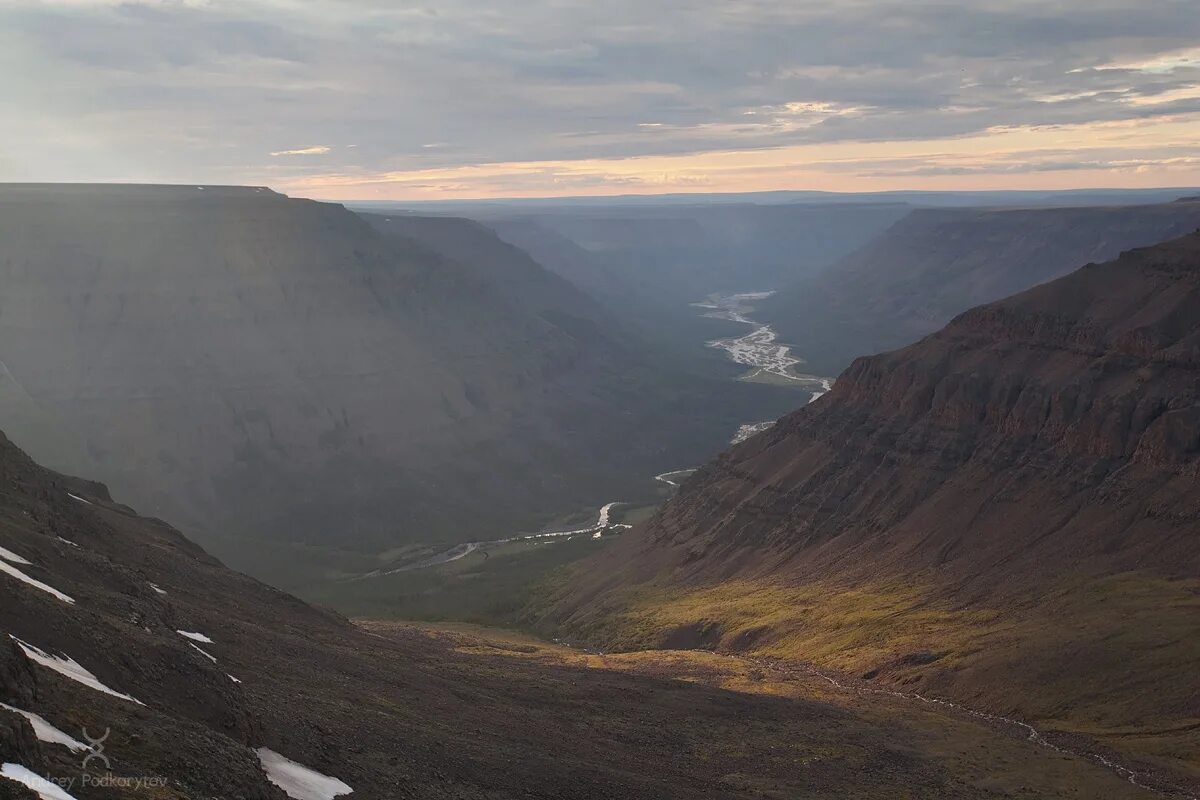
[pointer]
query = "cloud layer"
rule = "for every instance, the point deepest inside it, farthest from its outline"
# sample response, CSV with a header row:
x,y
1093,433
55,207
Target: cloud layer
x,y
473,98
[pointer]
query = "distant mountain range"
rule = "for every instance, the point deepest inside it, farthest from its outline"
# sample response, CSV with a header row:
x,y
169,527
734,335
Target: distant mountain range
x,y
650,263
686,253
1010,197
1005,513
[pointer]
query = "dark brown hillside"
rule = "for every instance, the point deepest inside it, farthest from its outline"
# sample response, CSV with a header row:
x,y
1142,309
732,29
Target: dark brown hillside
x,y
396,713
936,263
1007,512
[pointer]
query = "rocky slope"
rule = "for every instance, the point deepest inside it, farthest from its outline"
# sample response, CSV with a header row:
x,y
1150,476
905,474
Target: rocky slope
x,y
1006,513
936,263
197,681
251,365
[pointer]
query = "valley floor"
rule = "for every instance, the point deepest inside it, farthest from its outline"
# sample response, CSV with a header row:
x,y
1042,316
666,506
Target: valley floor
x,y
776,732
459,580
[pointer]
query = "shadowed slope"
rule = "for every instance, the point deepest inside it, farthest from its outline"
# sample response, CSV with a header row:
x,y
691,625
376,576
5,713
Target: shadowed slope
x,y
250,365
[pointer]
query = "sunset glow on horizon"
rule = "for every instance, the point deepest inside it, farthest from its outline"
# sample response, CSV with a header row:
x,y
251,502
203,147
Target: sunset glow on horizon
x,y
401,101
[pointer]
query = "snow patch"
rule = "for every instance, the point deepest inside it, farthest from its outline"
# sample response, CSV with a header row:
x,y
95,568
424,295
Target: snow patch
x,y
203,652
195,637
45,732
298,781
156,588
235,680
80,499
69,668
9,555
27,777
21,576
66,541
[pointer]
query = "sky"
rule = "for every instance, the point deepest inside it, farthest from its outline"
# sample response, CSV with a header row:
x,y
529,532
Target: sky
x,y
367,99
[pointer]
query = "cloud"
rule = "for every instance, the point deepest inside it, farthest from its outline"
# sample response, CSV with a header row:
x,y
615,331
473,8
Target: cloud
x,y
1163,63
201,91
314,150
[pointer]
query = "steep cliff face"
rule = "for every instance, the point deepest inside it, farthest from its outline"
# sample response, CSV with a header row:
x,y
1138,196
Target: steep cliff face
x,y
936,263
511,272
1006,511
248,364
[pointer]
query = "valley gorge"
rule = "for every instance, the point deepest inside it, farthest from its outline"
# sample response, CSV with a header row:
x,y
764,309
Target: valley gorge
x,y
279,376
963,569
565,400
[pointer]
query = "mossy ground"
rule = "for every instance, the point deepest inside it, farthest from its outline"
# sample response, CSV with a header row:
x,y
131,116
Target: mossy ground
x,y
1113,659
487,587
985,761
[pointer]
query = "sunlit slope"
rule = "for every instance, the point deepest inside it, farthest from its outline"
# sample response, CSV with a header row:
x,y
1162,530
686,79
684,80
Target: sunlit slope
x,y
1005,513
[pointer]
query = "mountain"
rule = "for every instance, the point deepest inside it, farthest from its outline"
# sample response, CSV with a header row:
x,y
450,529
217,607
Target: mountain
x,y
511,271
649,264
683,254
263,369
199,683
973,199
936,263
1006,514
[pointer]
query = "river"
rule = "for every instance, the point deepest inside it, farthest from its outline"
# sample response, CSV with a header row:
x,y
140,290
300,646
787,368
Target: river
x,y
770,362
597,529
760,350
